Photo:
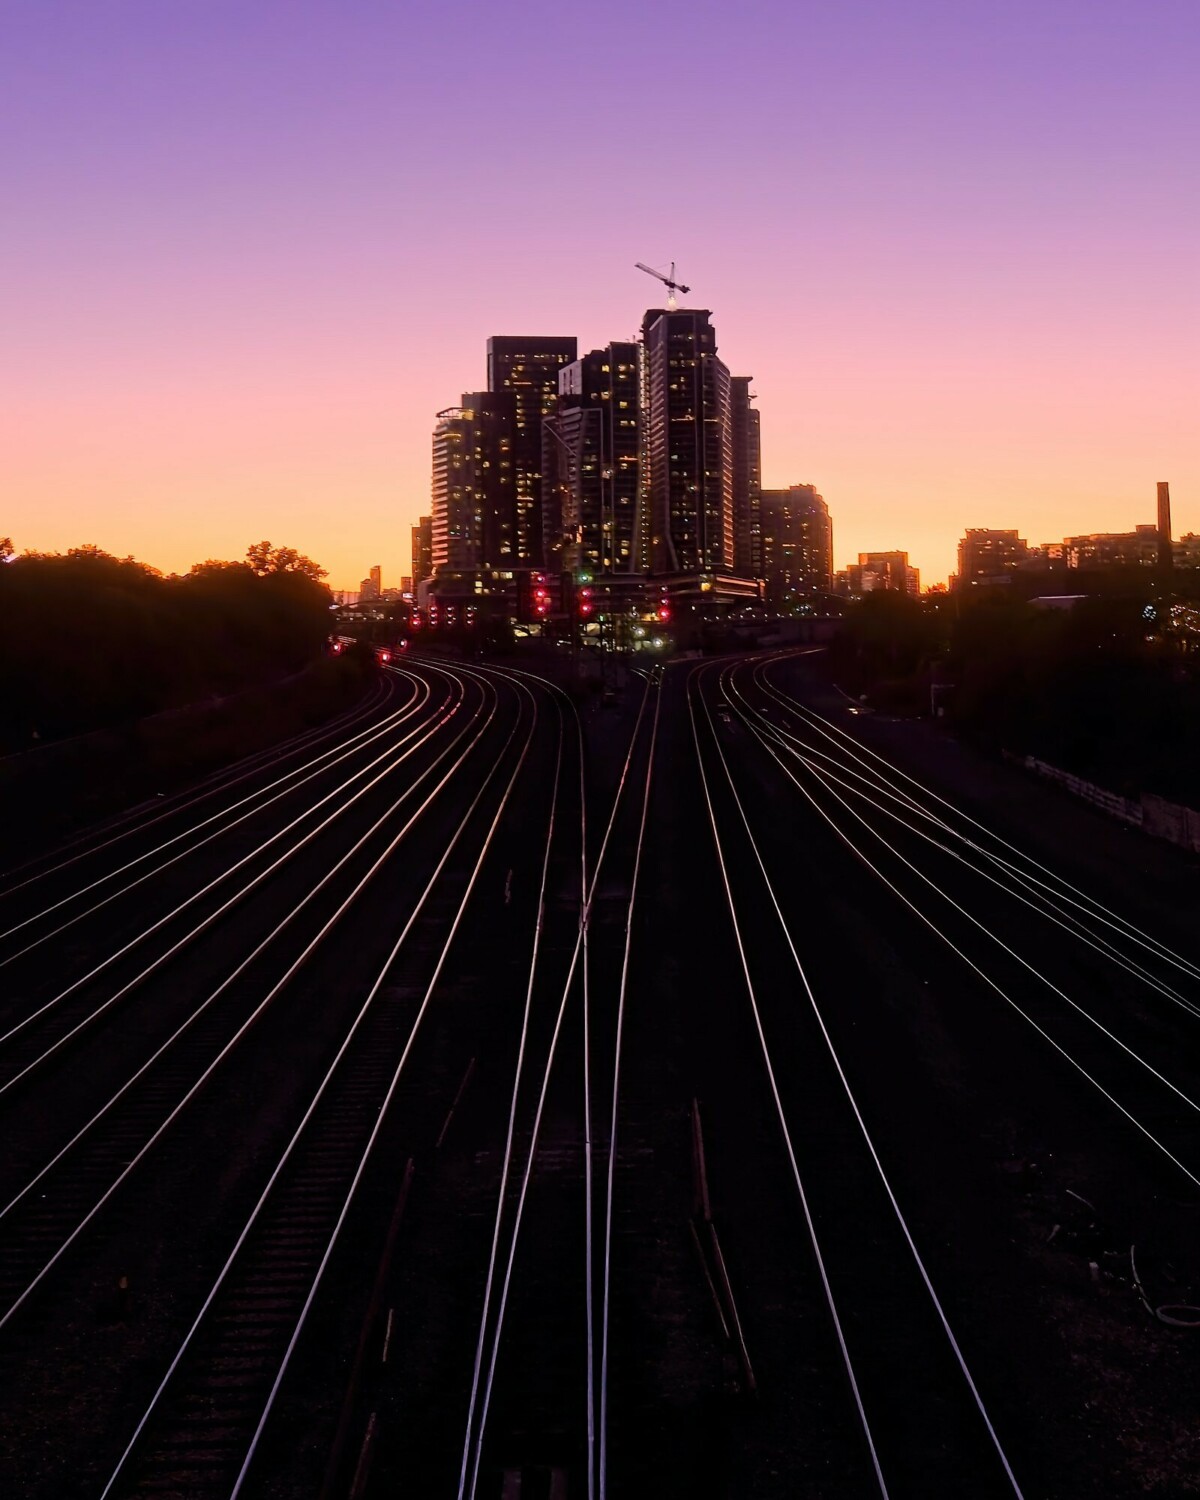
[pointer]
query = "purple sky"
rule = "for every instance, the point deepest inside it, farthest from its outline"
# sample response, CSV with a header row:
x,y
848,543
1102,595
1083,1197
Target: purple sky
x,y
250,248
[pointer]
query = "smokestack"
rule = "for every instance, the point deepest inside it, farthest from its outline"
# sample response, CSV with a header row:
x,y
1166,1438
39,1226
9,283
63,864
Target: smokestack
x,y
1166,553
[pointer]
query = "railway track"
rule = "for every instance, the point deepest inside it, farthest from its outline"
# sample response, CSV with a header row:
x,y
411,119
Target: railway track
x,y
927,1432
201,1430
559,1141
453,1099
80,1182
1110,1033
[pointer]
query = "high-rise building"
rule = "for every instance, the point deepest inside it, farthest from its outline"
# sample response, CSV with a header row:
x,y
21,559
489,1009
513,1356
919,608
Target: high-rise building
x,y
369,587
797,546
987,555
474,519
746,460
881,570
687,476
591,464
422,550
377,580
527,369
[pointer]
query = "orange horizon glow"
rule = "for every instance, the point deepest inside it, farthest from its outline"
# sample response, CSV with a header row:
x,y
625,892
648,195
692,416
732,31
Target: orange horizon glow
x,y
248,259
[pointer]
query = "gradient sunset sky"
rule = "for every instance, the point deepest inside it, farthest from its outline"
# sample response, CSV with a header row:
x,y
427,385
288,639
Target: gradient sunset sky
x,y
250,247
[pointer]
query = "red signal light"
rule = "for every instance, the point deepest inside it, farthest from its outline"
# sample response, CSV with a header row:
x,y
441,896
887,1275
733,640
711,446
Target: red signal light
x,y
664,613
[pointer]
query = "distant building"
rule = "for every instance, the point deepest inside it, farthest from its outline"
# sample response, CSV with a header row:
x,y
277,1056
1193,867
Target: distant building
x,y
377,580
746,460
406,583
422,550
369,588
1114,549
1186,551
474,522
797,546
986,556
880,570
591,464
526,367
687,445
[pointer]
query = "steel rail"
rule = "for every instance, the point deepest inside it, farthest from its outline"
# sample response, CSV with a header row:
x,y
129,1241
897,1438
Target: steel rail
x,y
810,1224
1056,898
245,963
522,1044
825,777
426,733
147,814
976,968
588,1231
1048,907
242,1030
902,1223
256,803
1099,910
381,1113
616,1086
1106,950
476,1431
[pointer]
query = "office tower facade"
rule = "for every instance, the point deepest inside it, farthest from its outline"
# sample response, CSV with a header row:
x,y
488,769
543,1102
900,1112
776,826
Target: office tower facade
x,y
797,546
746,460
984,553
591,464
474,521
687,474
526,370
422,550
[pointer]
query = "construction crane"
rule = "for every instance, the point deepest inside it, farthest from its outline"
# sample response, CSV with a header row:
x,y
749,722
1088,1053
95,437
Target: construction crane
x,y
669,282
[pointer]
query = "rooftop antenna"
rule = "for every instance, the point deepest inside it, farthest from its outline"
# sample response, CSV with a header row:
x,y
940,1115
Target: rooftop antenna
x,y
669,282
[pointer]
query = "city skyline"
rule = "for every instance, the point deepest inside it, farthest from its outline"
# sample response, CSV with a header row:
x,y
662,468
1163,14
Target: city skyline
x,y
962,273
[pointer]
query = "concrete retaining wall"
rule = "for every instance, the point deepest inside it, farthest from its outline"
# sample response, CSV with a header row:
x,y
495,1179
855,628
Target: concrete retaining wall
x,y
1155,815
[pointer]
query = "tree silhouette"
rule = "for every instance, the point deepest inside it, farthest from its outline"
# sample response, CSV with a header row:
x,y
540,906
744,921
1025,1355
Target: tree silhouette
x,y
93,640
264,559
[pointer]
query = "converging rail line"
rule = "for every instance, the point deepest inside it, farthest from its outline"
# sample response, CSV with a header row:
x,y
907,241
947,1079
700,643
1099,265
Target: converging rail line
x,y
370,1108
600,1019
239,1347
849,791
926,1446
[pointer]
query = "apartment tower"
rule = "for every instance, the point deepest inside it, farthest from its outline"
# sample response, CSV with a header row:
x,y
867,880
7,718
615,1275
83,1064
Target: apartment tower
x,y
526,368
591,464
686,444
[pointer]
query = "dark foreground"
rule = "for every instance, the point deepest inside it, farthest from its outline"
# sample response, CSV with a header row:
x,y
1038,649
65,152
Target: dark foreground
x,y
891,1183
